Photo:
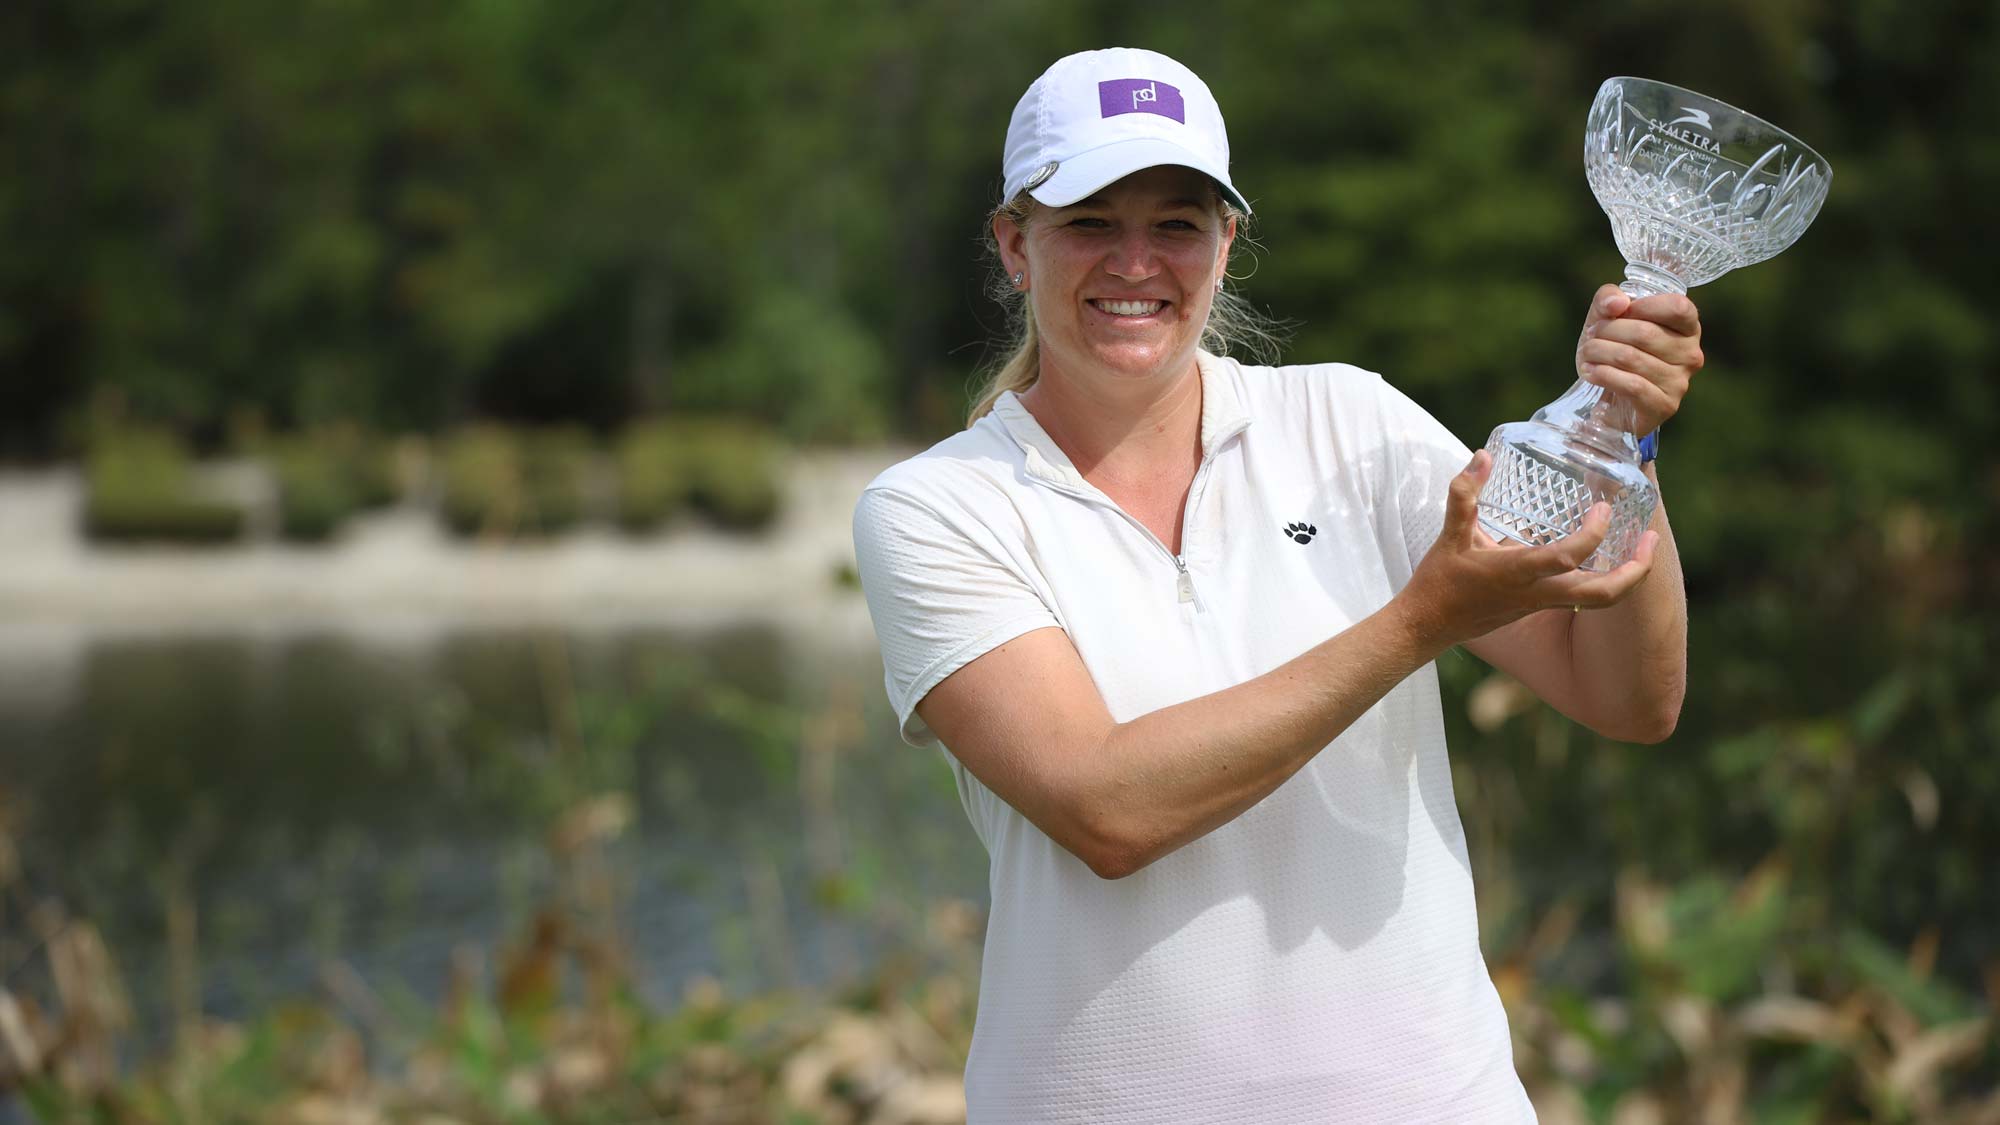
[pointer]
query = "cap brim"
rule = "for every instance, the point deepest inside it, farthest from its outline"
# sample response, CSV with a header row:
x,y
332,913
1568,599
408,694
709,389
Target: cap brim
x,y
1081,175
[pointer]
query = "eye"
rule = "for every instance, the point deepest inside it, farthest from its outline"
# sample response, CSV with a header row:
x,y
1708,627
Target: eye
x,y
1089,222
1180,224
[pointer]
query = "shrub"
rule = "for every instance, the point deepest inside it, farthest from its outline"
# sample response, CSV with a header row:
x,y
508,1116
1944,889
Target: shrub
x,y
499,482
556,470
729,471
314,495
139,490
653,484
366,460
735,470
740,491
325,475
482,481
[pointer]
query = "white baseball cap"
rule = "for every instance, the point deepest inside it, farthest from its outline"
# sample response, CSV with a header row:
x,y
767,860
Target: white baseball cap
x,y
1098,116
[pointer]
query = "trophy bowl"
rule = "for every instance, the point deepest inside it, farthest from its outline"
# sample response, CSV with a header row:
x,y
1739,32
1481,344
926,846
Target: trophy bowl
x,y
1694,188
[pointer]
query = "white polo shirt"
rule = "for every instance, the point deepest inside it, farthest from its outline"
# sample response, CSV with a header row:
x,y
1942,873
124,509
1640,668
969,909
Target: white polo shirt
x,y
1317,958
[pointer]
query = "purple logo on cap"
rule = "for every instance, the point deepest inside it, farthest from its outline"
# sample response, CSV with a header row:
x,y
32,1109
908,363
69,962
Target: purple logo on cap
x,y
1140,95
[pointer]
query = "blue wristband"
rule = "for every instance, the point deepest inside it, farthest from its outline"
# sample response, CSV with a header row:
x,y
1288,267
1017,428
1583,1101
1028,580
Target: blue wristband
x,y
1649,448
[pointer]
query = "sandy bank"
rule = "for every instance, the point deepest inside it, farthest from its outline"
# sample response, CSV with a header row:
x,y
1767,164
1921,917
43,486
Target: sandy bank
x,y
401,567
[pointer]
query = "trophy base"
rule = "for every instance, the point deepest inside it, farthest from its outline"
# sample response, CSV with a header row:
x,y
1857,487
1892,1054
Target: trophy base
x,y
1544,481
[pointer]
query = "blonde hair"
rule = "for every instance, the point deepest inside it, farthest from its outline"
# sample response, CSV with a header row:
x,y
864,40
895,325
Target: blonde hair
x,y
1235,326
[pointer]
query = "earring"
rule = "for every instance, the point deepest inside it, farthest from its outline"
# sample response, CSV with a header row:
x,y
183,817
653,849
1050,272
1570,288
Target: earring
x,y
1017,278
1218,285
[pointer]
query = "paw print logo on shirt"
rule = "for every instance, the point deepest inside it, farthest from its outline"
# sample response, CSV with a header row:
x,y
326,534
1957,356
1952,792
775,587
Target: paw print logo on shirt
x,y
1300,532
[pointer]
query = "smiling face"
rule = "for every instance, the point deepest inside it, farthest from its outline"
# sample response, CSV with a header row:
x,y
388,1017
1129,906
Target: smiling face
x,y
1121,282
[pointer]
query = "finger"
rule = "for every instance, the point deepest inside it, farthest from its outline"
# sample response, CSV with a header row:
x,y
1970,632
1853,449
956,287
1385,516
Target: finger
x,y
1649,542
1639,361
1657,399
1669,310
1588,536
1461,505
1608,303
1597,591
1660,391
1669,347
1566,554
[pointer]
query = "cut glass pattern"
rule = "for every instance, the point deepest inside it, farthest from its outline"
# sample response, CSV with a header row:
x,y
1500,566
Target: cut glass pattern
x,y
1535,496
1694,188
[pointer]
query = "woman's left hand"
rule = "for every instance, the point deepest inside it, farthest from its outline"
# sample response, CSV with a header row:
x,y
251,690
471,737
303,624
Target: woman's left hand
x,y
1645,350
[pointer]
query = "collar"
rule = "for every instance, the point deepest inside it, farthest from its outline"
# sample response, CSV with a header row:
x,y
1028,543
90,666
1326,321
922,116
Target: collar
x,y
1223,416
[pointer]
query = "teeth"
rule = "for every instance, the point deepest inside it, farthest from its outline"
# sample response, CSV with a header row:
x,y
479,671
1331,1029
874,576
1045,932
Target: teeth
x,y
1130,308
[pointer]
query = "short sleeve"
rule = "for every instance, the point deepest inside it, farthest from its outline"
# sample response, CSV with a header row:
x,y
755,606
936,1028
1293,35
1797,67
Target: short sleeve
x,y
1424,457
940,594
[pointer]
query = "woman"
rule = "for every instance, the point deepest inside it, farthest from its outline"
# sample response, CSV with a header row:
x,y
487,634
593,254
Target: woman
x,y
1173,618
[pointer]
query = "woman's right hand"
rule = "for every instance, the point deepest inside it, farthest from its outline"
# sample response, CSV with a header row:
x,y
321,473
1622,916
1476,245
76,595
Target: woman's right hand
x,y
1468,585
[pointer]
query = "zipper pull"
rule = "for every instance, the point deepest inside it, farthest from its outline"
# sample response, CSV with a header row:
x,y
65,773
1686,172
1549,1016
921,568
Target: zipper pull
x,y
1186,582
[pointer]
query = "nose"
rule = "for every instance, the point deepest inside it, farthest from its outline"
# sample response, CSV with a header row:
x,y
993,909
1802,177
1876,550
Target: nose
x,y
1132,258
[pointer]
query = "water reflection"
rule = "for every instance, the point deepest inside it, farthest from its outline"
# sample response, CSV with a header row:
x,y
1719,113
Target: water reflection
x,y
381,800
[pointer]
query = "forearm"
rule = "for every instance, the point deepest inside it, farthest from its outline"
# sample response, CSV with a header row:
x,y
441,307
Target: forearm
x,y
1176,774
1629,661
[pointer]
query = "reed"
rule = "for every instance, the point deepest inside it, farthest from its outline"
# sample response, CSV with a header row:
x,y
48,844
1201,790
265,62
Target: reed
x,y
1724,1018
554,1030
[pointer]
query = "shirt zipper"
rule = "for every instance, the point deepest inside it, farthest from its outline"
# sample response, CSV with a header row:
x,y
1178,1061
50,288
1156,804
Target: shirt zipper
x,y
1184,585
1187,517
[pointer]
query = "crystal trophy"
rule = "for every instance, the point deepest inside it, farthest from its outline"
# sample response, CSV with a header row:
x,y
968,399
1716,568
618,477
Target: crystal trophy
x,y
1694,188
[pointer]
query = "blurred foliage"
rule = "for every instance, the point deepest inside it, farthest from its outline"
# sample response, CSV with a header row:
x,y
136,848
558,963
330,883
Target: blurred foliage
x,y
557,1030
315,495
325,476
730,471
653,484
413,216
592,212
550,1022
1725,1011
501,482
140,489
1725,1016
498,481
734,473
1722,998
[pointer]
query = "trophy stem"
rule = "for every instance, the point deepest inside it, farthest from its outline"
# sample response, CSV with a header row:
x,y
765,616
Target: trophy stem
x,y
1600,418
1642,280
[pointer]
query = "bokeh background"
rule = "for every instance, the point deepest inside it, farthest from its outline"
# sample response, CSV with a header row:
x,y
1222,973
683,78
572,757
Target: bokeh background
x,y
432,681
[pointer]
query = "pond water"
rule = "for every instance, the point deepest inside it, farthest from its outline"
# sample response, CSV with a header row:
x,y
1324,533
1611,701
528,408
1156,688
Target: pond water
x,y
380,799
